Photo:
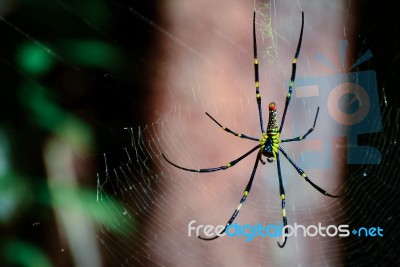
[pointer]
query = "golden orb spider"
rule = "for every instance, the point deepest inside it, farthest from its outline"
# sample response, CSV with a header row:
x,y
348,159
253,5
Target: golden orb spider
x,y
269,143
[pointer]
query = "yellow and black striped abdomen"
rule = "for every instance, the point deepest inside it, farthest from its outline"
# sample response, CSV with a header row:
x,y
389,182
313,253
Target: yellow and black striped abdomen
x,y
270,139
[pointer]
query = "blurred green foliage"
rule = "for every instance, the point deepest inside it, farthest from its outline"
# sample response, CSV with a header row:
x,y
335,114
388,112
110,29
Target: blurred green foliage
x,y
25,254
68,69
35,60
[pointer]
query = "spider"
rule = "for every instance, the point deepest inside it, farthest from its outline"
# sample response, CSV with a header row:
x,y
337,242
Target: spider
x,y
269,143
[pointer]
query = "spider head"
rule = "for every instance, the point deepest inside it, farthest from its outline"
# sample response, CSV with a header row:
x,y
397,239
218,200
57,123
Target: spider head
x,y
272,106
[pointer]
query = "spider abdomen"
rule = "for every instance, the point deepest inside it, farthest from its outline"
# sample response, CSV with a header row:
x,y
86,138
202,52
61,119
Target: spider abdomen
x,y
270,146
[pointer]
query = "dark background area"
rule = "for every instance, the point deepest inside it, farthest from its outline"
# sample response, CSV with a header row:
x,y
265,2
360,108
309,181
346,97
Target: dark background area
x,y
110,95
106,88
372,188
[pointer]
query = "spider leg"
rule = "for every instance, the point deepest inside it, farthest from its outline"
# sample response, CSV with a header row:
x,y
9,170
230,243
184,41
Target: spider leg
x,y
282,195
224,167
304,175
256,75
293,76
242,200
232,132
299,138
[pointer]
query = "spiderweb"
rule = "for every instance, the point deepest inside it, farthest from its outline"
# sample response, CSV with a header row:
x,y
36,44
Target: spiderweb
x,y
185,64
164,200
